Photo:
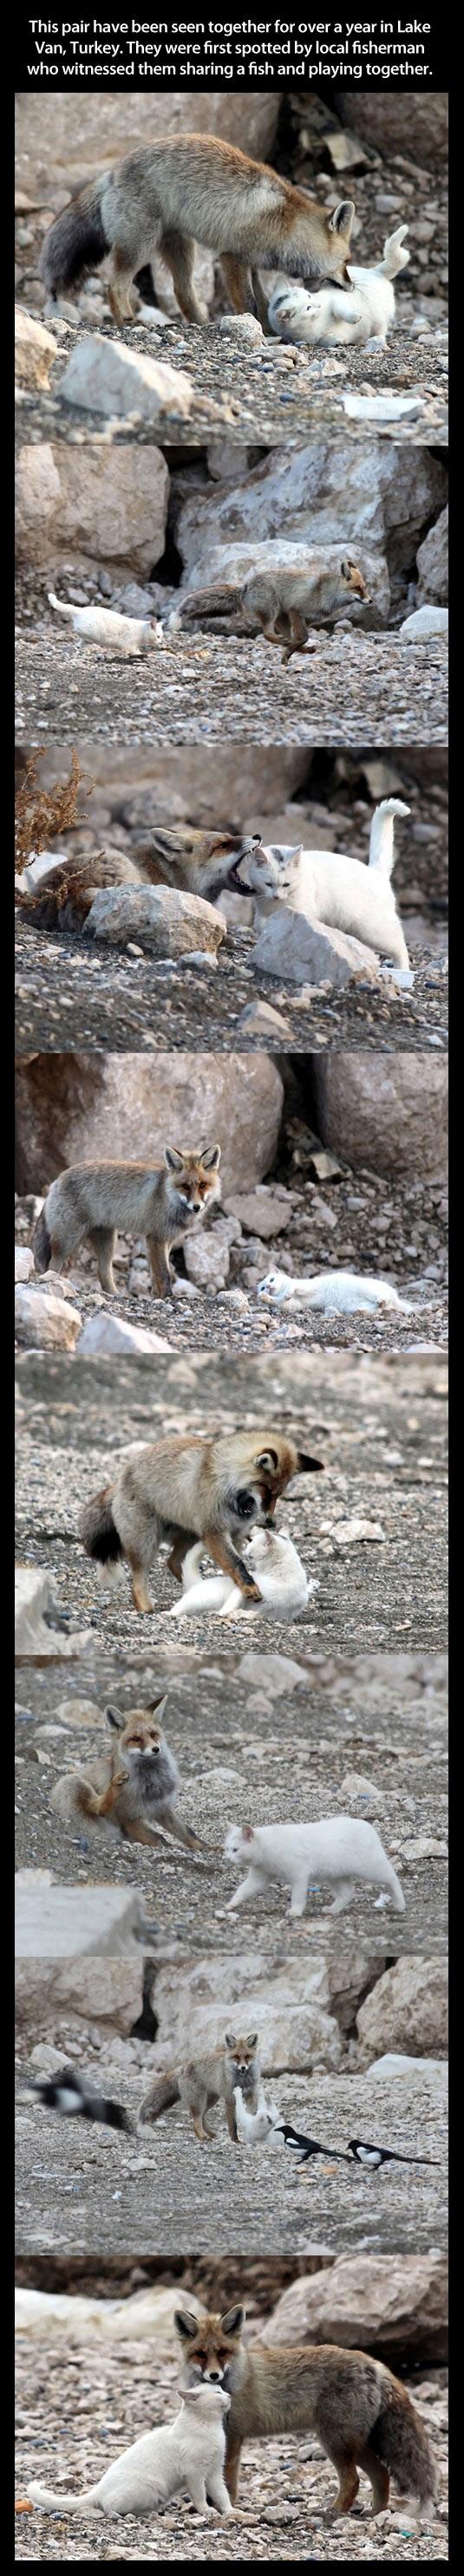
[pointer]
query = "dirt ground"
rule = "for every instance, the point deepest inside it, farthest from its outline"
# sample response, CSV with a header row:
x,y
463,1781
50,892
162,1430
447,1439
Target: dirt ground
x,y
228,1736
377,1424
269,392
206,691
77,2409
73,993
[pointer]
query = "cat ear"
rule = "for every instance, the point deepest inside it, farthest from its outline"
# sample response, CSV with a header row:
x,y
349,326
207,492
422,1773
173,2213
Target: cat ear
x,y
267,1458
246,1833
173,1159
114,1718
211,1157
190,2396
230,2039
186,2324
309,1466
341,221
232,2323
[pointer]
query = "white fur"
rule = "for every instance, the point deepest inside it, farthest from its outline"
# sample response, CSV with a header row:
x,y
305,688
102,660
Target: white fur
x,y
328,886
272,1562
188,2453
121,635
254,2128
335,315
343,1849
335,1292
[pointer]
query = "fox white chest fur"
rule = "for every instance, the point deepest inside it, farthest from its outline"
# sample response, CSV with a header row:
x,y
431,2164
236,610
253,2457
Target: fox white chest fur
x,y
340,1848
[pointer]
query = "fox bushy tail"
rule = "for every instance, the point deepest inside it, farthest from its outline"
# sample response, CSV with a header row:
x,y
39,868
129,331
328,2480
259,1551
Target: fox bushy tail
x,y
400,2440
41,1243
161,2097
76,242
214,602
98,1529
382,848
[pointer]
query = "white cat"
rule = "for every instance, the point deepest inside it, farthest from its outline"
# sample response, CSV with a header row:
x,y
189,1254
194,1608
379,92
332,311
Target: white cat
x,y
188,2453
254,2128
272,1561
340,1848
330,887
126,636
335,1292
335,315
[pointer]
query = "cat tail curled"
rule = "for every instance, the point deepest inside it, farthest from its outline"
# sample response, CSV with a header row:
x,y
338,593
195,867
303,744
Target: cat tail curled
x,y
395,257
382,851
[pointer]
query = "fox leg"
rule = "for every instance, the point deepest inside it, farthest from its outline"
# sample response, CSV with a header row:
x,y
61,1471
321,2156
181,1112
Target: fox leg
x,y
140,1833
123,303
378,2478
232,2465
348,2484
102,1239
261,301
178,1555
172,1824
229,2108
140,1593
158,1255
298,633
237,279
179,253
198,2123
222,1554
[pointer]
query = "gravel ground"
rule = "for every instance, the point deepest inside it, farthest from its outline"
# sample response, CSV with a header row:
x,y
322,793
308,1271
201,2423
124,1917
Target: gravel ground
x,y
343,1407
71,993
268,393
215,690
76,2410
234,2200
231,1762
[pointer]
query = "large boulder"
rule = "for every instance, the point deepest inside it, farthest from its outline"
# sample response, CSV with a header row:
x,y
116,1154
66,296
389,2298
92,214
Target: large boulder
x,y
52,1922
381,122
158,918
106,504
146,2315
288,2004
104,1991
391,2304
63,140
407,2010
44,1322
432,563
141,783
35,350
74,1108
103,375
329,493
394,1121
38,1636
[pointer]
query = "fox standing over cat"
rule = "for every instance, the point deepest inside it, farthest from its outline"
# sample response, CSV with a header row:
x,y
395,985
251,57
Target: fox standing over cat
x,y
89,1201
360,2414
186,189
179,1487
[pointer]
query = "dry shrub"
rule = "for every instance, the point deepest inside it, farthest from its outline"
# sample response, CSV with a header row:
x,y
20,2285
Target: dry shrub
x,y
41,813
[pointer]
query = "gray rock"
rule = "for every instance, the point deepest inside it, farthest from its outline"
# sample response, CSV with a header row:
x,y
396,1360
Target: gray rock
x,y
164,921
432,563
423,623
44,1322
407,2010
53,1922
105,375
397,1122
300,952
34,351
104,1335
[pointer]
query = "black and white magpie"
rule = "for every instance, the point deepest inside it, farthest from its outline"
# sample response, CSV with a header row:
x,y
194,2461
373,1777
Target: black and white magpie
x,y
366,2154
306,2147
69,2094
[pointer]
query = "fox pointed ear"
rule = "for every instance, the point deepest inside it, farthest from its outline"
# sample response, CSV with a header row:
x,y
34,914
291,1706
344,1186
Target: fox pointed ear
x,y
211,1157
155,1706
252,2039
230,2039
267,1458
114,1718
186,2324
232,2323
342,219
346,567
309,1466
173,1159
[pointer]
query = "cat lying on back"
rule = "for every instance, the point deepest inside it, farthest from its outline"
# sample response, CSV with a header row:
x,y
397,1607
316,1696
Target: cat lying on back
x,y
366,314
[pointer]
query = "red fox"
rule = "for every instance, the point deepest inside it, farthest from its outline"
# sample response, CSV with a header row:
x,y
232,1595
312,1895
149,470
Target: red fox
x,y
197,862
192,188
89,1201
362,2416
183,1487
206,2080
129,1791
285,604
